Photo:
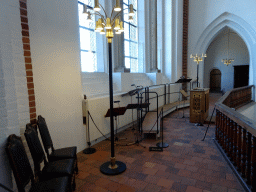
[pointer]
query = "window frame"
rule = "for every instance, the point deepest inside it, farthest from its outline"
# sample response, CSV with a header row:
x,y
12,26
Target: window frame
x,y
130,40
84,50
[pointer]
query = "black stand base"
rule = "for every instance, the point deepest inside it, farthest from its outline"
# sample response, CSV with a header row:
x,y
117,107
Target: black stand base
x,y
105,168
89,150
159,149
199,124
162,145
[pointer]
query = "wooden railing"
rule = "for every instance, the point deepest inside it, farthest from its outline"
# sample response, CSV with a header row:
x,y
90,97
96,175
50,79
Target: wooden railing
x,y
238,97
236,135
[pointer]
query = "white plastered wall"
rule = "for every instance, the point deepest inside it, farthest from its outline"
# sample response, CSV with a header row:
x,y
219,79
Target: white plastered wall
x,y
55,53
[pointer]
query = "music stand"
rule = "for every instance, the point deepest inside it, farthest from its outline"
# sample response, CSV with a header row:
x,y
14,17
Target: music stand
x,y
185,95
138,107
116,112
182,81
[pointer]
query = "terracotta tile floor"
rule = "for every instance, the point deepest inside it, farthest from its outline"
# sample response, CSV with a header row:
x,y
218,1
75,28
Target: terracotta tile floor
x,y
187,165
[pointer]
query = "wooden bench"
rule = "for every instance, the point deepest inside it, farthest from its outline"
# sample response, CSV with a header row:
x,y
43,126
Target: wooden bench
x,y
149,124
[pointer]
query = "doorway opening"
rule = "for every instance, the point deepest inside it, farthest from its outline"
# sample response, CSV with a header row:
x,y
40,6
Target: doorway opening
x,y
241,75
215,81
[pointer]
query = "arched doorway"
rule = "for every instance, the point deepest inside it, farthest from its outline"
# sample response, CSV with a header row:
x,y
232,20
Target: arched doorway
x,y
215,80
238,25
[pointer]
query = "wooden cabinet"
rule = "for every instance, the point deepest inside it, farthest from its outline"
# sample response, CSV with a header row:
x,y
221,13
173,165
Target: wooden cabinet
x,y
199,105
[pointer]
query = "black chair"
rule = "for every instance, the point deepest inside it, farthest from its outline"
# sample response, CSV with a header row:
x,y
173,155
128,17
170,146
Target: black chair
x,y
64,167
56,154
23,173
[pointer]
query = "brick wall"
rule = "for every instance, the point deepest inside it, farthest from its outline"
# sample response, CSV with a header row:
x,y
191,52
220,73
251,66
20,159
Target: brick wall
x,y
185,42
28,60
185,37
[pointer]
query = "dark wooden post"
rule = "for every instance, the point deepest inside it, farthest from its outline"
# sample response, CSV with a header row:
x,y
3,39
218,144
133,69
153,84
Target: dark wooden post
x,y
244,154
249,158
221,130
239,148
217,125
228,136
231,136
254,164
225,133
235,144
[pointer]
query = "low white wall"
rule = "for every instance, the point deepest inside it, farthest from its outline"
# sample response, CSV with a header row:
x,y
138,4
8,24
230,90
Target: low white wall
x,y
99,106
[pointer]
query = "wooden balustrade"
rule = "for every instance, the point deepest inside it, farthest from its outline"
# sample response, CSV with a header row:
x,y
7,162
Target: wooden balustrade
x,y
238,97
253,177
236,134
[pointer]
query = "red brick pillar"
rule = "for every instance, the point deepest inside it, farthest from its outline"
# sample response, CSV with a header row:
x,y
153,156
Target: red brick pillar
x,y
27,58
185,40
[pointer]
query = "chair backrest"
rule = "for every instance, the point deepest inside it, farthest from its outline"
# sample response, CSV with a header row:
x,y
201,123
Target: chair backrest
x,y
35,147
19,162
45,134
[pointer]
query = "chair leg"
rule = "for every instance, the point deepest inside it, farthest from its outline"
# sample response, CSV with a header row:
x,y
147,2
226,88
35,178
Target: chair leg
x,y
76,168
74,183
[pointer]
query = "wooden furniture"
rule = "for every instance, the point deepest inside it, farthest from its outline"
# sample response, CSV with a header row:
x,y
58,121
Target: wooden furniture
x,y
235,135
23,173
199,105
55,154
50,170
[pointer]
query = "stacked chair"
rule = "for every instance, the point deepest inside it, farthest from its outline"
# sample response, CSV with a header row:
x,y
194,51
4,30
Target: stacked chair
x,y
58,172
23,172
51,169
56,154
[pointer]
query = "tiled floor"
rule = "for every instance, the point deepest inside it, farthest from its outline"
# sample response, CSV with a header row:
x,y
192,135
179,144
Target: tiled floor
x,y
187,165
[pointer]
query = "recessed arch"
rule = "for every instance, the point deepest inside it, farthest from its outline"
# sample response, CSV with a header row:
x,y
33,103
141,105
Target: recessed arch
x,y
215,80
237,24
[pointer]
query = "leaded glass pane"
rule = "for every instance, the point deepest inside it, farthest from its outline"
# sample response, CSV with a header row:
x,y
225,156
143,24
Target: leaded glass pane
x,y
87,39
84,39
127,48
127,62
131,37
88,62
134,2
133,49
92,41
84,1
134,65
82,17
133,33
134,22
126,31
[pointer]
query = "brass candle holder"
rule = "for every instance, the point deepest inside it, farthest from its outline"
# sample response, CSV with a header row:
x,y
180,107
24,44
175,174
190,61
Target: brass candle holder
x,y
197,59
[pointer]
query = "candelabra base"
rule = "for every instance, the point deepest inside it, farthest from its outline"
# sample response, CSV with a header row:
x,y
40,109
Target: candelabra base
x,y
89,150
163,145
107,170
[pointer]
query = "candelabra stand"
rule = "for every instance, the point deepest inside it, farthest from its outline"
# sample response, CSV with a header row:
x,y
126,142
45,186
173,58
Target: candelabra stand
x,y
197,59
106,25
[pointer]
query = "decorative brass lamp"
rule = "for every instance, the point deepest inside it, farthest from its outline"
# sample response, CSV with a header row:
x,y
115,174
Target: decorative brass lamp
x,y
227,61
197,59
106,25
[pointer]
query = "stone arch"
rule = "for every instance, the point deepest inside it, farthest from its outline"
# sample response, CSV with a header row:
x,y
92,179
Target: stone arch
x,y
240,26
